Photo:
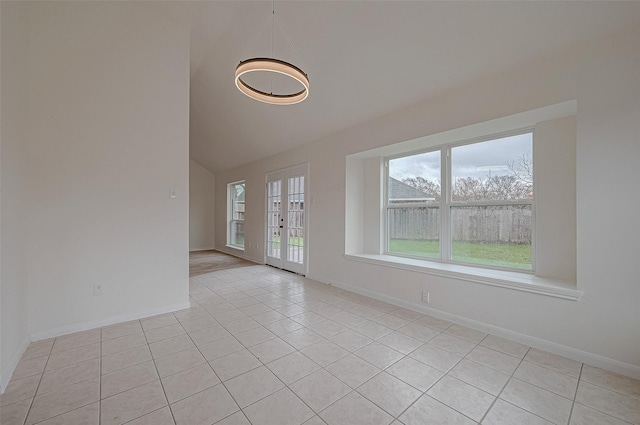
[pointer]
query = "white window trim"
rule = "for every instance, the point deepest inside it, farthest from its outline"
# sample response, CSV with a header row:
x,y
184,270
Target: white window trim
x,y
230,215
446,203
525,282
357,249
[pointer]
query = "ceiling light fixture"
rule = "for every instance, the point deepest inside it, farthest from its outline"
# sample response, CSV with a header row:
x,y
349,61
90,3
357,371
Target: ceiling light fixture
x,y
273,66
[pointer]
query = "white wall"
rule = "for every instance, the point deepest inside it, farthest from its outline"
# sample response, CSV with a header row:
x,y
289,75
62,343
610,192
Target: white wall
x,y
602,77
555,186
202,185
108,136
14,330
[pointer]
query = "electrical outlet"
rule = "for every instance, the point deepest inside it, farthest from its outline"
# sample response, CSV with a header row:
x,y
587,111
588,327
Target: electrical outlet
x,y
426,297
97,289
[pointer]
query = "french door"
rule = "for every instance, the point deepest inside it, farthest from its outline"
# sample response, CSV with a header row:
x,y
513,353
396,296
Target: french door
x,y
286,237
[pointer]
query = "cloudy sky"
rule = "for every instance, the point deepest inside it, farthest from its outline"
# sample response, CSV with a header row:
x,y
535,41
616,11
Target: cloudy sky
x,y
476,160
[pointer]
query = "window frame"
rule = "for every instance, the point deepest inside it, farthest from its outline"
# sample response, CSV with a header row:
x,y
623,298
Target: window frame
x,y
446,203
230,212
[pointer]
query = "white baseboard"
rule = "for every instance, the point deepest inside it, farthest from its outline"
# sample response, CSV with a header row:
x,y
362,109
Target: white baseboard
x,y
201,249
6,375
85,326
79,327
240,254
592,359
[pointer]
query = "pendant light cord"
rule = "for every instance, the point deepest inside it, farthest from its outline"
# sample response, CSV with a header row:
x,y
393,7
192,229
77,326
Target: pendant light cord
x,y
253,42
293,49
273,22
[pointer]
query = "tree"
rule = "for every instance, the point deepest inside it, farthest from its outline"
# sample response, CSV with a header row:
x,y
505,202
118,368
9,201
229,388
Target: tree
x,y
470,189
522,169
430,187
518,184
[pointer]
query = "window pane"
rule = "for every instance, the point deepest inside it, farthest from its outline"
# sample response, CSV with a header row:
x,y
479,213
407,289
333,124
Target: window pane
x,y
414,178
237,233
500,169
492,235
236,225
414,231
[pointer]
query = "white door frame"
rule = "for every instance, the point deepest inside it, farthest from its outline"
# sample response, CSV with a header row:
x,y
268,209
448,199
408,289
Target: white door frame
x,y
283,262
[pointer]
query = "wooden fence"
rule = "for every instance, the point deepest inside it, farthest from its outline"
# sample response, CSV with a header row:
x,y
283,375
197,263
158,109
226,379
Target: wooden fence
x,y
487,224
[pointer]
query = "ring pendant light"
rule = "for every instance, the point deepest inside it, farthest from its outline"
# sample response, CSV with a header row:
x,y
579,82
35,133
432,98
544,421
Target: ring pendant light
x,y
273,66
279,67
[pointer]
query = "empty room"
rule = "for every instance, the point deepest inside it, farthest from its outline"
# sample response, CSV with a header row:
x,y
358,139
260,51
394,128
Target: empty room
x,y
319,212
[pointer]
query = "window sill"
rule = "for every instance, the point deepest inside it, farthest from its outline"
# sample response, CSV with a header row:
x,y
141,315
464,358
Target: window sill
x,y
505,279
239,248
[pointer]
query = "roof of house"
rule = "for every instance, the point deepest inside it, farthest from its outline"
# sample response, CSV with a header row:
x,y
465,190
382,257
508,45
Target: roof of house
x,y
402,191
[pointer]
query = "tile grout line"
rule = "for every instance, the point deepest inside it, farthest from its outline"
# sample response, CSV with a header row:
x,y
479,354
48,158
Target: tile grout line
x,y
603,388
478,344
384,370
283,356
321,368
221,381
381,370
575,394
130,366
438,380
277,377
24,421
512,376
404,355
213,370
58,389
551,370
523,360
505,386
157,371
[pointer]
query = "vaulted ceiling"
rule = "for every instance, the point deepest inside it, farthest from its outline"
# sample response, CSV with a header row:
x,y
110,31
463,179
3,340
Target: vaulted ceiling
x,y
364,59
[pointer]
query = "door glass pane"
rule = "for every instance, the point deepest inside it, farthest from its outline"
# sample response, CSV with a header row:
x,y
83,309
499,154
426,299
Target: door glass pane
x,y
295,243
492,235
274,218
496,170
414,231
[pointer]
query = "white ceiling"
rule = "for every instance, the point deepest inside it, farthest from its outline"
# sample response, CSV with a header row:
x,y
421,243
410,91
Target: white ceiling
x,y
364,59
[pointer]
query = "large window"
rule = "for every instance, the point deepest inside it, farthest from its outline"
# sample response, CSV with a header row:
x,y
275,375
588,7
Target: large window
x,y
235,222
469,203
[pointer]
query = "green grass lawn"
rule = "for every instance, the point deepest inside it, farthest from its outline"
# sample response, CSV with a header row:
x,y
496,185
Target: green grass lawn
x,y
501,255
276,240
292,241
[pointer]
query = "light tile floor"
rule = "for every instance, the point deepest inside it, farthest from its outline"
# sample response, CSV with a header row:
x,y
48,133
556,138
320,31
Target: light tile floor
x,y
260,346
